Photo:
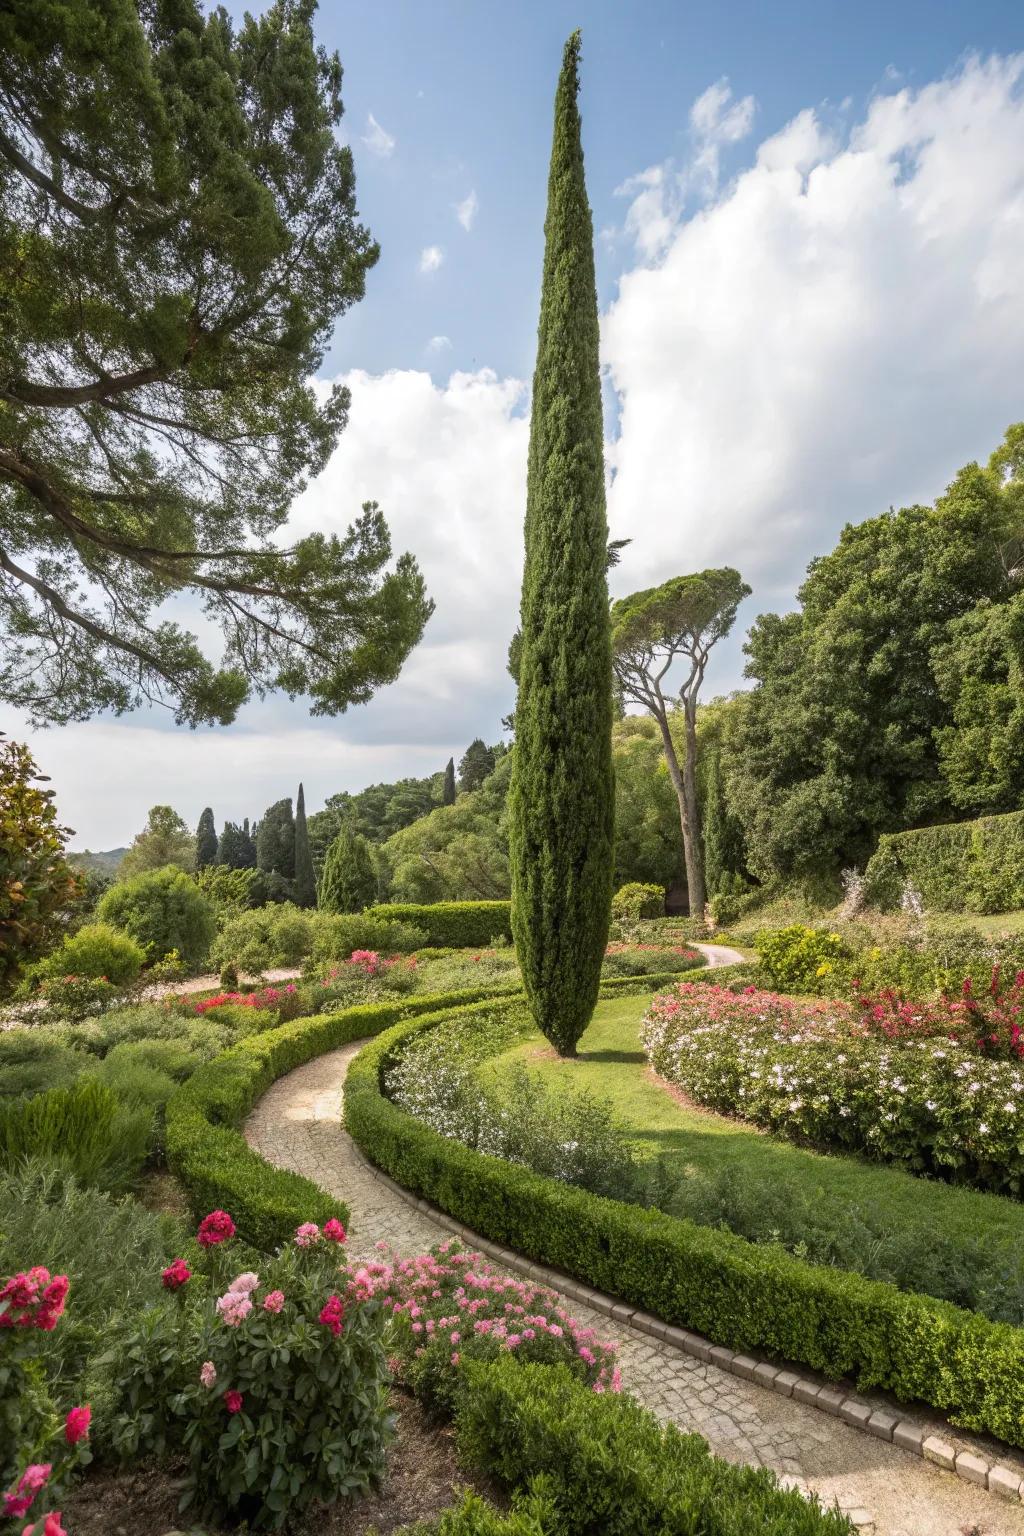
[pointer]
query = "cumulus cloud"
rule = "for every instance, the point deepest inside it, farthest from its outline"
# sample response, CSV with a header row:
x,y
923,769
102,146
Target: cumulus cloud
x,y
465,211
837,331
431,258
439,344
377,139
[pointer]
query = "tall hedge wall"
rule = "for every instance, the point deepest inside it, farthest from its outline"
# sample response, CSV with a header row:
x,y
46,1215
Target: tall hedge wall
x,y
962,866
453,924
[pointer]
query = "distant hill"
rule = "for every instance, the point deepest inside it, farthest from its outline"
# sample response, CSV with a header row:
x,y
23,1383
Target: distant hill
x,y
106,860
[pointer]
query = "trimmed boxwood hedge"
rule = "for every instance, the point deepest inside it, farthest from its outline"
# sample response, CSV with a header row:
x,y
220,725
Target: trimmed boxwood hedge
x,y
206,1149
743,1295
962,866
453,924
608,1467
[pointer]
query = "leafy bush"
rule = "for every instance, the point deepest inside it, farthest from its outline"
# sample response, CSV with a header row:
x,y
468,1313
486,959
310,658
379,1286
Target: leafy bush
x,y
37,885
338,935
96,950
80,997
633,901
278,1003
966,866
164,910
288,1411
649,959
83,1128
264,938
799,959
452,924
930,1105
32,1061
748,1297
608,1466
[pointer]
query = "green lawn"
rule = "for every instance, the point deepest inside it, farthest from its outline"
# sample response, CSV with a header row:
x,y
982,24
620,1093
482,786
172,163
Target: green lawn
x,y
920,1233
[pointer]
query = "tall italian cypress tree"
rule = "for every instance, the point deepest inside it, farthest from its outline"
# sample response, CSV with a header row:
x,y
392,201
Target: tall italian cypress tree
x,y
448,794
206,840
305,879
561,816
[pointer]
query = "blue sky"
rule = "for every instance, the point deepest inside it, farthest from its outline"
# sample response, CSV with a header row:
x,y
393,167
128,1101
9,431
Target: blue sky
x,y
808,226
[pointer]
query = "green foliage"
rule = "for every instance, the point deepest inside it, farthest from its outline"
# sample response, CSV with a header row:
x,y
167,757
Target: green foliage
x,y
156,432
457,852
348,880
337,934
375,813
967,866
799,959
230,889
235,847
206,840
96,950
305,880
37,885
84,1128
275,840
448,793
636,900
164,840
211,1157
32,1060
163,910
745,1296
608,1467
561,801
476,764
265,937
452,924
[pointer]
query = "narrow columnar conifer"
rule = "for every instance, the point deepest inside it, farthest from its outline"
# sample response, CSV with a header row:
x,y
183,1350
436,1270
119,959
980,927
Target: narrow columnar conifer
x,y
448,793
206,840
348,880
561,820
305,879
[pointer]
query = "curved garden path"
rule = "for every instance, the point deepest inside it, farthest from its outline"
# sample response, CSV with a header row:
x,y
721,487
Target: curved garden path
x,y
885,1490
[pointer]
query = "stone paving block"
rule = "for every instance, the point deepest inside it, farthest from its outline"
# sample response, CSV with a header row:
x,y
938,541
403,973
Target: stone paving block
x,y
882,1424
1004,1481
785,1383
831,1399
806,1391
940,1451
909,1436
720,1356
855,1412
765,1374
972,1468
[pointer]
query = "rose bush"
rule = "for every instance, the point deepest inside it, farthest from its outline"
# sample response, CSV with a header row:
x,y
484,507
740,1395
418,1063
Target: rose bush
x,y
815,1073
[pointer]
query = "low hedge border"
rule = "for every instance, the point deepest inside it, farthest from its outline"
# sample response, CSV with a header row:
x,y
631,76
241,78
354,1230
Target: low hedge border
x,y
739,1294
452,924
608,1468
204,1144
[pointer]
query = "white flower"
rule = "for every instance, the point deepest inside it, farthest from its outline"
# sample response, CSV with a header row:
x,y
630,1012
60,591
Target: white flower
x,y
930,1104
983,1129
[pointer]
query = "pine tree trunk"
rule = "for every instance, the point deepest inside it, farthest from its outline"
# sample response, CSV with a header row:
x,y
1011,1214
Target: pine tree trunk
x,y
561,802
684,782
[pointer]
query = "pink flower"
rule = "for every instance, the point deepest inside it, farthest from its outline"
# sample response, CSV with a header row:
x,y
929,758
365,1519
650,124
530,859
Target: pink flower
x,y
17,1504
208,1375
76,1425
51,1527
233,1402
307,1234
273,1301
35,1477
332,1315
176,1275
456,1357
334,1231
243,1284
234,1308
215,1228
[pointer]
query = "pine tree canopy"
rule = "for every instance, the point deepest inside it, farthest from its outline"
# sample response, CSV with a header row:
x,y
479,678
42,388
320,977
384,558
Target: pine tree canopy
x,y
561,810
178,235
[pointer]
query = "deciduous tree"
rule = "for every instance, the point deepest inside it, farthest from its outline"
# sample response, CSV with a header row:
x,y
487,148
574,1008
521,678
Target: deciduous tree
x,y
165,839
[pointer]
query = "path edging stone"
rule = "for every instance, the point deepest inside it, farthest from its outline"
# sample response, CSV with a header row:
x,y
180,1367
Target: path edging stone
x,y
828,1397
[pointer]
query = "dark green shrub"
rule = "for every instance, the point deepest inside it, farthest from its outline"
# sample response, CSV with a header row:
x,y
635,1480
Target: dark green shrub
x,y
165,910
451,924
84,1128
337,934
265,937
634,901
965,866
348,880
609,1467
96,950
742,1295
32,1061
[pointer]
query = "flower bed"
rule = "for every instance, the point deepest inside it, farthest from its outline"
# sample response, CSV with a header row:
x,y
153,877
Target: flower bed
x,y
743,1295
818,1073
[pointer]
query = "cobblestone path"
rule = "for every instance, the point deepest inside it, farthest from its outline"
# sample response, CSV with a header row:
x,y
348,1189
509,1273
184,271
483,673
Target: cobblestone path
x,y
297,1125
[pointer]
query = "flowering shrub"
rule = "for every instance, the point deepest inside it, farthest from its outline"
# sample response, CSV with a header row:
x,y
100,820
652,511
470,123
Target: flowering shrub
x,y
285,1001
633,959
449,1306
798,958
989,1021
812,1072
30,1426
275,1388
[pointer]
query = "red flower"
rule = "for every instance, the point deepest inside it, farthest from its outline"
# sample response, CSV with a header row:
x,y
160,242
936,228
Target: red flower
x,y
233,1402
76,1425
177,1274
52,1527
334,1230
332,1315
215,1228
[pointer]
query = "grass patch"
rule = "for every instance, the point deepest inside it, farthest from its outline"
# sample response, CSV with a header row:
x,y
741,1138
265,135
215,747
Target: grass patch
x,y
920,1234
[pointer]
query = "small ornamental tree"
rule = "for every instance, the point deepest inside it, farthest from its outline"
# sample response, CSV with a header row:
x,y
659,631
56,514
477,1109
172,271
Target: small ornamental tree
x,y
163,910
561,803
165,839
651,630
448,793
275,840
37,885
305,880
348,882
206,840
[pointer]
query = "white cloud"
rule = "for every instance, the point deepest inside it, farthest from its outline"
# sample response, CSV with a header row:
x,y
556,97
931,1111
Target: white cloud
x,y
439,344
466,211
837,331
431,258
377,139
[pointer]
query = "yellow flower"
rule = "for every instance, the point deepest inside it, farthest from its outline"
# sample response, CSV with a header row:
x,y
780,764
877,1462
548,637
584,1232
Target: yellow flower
x,y
825,969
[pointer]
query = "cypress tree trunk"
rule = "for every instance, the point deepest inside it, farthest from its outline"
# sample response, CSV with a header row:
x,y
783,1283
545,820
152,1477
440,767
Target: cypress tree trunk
x,y
305,879
561,815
